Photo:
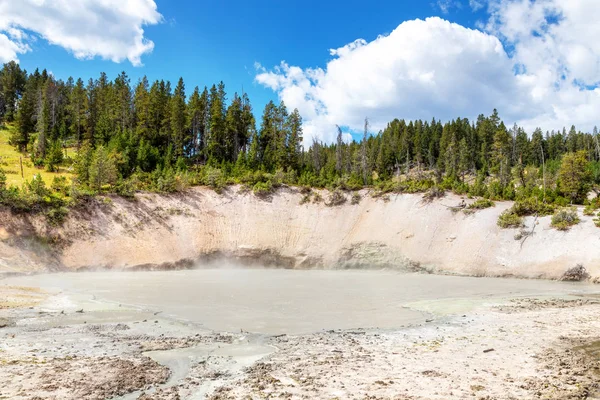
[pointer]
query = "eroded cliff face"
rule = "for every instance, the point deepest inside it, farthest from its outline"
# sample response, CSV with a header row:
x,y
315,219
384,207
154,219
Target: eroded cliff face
x,y
201,227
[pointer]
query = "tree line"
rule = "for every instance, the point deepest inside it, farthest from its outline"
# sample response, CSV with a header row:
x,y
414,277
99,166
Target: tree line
x,y
142,135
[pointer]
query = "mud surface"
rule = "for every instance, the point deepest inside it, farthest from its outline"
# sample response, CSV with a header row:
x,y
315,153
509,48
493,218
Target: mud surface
x,y
63,344
293,302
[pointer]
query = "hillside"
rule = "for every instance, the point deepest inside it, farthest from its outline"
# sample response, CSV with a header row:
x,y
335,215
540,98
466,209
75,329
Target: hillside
x,y
200,226
10,163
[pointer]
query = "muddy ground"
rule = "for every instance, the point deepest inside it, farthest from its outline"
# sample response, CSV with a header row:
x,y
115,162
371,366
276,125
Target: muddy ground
x,y
522,349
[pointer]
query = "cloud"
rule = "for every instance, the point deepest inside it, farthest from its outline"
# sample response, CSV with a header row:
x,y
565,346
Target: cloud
x,y
423,69
446,5
10,48
109,29
556,50
537,62
476,5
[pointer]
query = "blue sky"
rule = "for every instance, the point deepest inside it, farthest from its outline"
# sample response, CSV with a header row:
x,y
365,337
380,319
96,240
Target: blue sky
x,y
206,42
536,61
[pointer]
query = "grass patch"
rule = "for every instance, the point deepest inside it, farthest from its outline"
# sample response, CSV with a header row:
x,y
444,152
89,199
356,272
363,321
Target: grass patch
x,y
9,162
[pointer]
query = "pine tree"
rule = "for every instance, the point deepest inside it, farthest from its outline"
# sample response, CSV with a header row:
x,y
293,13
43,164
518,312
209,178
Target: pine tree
x,y
501,152
25,117
248,124
142,110
295,140
281,135
179,120
102,169
233,129
83,162
216,140
267,151
574,176
122,99
12,84
77,110
363,154
339,150
196,111
464,163
54,156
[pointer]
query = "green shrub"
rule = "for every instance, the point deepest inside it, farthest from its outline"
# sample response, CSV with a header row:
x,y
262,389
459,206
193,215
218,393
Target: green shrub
x,y
435,192
460,188
317,198
532,206
36,188
495,190
337,198
592,207
214,179
385,187
291,177
589,210
56,216
167,183
79,193
508,219
565,218
305,199
418,186
126,188
305,190
356,198
597,220
263,189
481,204
278,178
60,185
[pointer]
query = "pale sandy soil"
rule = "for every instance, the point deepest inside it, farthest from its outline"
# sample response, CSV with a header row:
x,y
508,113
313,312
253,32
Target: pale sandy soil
x,y
401,232
522,349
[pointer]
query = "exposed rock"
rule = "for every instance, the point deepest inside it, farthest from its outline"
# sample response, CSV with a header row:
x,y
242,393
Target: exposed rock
x,y
373,255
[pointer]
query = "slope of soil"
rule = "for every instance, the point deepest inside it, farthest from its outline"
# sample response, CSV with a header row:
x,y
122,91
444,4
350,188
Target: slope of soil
x,y
200,226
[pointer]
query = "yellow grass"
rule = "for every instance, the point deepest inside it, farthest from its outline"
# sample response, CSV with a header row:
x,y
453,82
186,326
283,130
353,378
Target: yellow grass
x,y
9,162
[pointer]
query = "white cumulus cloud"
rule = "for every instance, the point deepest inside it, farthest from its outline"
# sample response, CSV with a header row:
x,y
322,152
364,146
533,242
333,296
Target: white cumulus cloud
x,y
556,50
423,69
110,29
537,62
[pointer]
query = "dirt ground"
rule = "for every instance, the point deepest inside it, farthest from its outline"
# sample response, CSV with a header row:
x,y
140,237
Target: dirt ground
x,y
523,349
401,232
